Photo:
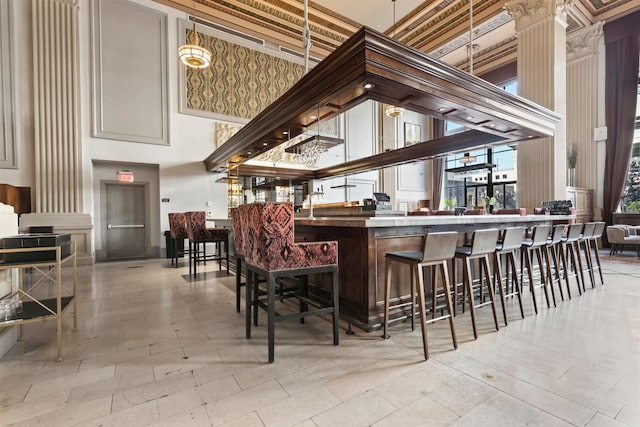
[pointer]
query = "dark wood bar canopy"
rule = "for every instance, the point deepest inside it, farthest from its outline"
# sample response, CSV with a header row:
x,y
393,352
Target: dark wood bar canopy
x,y
372,66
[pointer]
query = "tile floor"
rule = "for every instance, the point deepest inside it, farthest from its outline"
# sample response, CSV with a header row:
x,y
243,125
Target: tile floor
x,y
155,348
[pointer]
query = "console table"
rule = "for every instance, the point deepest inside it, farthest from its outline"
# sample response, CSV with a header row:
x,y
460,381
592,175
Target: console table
x,y
36,309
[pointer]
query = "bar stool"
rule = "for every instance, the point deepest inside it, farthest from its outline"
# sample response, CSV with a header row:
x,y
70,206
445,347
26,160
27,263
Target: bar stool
x,y
270,253
510,242
199,234
178,232
572,254
483,243
553,256
238,245
592,243
585,247
437,250
535,245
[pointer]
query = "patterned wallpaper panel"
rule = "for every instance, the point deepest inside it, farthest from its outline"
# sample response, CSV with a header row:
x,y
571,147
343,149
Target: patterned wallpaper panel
x,y
240,82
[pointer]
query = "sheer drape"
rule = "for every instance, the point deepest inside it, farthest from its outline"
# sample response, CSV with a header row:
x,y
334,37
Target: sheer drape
x,y
622,40
437,168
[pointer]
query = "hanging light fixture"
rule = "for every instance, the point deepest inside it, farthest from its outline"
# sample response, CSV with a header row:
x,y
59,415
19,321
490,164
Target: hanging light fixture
x,y
467,158
193,55
392,110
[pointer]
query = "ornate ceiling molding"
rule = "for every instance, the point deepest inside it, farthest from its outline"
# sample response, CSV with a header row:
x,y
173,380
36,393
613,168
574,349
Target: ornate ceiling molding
x,y
584,42
530,12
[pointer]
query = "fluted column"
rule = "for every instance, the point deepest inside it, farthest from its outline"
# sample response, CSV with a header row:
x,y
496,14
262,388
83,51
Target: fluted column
x,y
582,99
542,164
58,184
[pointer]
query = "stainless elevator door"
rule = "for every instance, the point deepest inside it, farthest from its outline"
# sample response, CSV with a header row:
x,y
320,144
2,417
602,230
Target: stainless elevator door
x,y
125,221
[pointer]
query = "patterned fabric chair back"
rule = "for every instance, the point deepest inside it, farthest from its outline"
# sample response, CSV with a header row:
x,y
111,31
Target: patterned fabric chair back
x,y
177,225
196,225
238,232
269,241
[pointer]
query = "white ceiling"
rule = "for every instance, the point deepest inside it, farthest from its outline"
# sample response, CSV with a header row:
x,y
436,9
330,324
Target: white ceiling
x,y
377,14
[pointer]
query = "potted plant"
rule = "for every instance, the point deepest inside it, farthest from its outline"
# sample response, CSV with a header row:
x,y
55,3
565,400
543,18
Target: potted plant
x,y
572,159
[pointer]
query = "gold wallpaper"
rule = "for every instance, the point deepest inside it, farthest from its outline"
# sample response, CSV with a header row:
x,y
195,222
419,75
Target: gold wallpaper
x,y
240,82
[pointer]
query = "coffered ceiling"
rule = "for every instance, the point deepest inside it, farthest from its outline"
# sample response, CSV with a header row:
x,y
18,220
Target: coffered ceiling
x,y
437,27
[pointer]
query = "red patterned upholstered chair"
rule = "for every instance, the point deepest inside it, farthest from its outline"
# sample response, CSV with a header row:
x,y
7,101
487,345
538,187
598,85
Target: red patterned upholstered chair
x,y
199,234
178,232
270,253
238,245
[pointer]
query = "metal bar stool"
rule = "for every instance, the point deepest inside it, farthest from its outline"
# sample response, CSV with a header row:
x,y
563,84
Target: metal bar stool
x,y
507,246
554,255
438,249
483,243
536,244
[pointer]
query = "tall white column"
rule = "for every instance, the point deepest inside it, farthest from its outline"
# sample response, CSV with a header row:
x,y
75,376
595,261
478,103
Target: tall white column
x,y
541,28
56,116
584,48
58,184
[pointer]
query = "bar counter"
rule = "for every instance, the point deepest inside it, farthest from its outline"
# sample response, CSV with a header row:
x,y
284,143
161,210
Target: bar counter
x,y
363,243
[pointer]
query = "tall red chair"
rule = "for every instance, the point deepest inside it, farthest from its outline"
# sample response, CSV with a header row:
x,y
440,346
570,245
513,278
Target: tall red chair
x,y
199,234
270,253
238,246
178,232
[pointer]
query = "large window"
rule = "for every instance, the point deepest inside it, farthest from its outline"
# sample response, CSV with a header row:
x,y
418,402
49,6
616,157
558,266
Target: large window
x,y
631,195
475,188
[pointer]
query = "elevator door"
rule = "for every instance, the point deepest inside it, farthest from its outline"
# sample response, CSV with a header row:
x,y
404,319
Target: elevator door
x,y
125,221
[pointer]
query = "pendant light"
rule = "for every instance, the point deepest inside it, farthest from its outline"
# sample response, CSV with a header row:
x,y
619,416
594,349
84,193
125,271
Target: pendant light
x,y
392,110
193,55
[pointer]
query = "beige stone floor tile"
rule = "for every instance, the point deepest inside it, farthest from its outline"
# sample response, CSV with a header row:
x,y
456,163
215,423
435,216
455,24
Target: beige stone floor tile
x,y
197,417
265,373
629,415
600,420
152,390
310,378
250,420
218,389
298,408
21,411
65,384
363,410
421,412
547,420
417,383
176,403
136,416
486,415
245,402
71,414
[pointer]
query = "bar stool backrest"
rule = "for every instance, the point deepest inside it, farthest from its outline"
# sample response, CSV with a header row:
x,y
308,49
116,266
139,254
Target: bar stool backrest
x,y
512,238
598,230
558,234
540,235
236,226
587,231
574,233
439,246
196,225
177,225
484,241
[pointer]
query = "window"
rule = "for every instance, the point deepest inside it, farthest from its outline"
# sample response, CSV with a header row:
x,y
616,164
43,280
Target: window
x,y
631,194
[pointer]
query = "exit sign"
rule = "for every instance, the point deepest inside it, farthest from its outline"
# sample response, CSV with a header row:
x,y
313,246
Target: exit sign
x,y
125,176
